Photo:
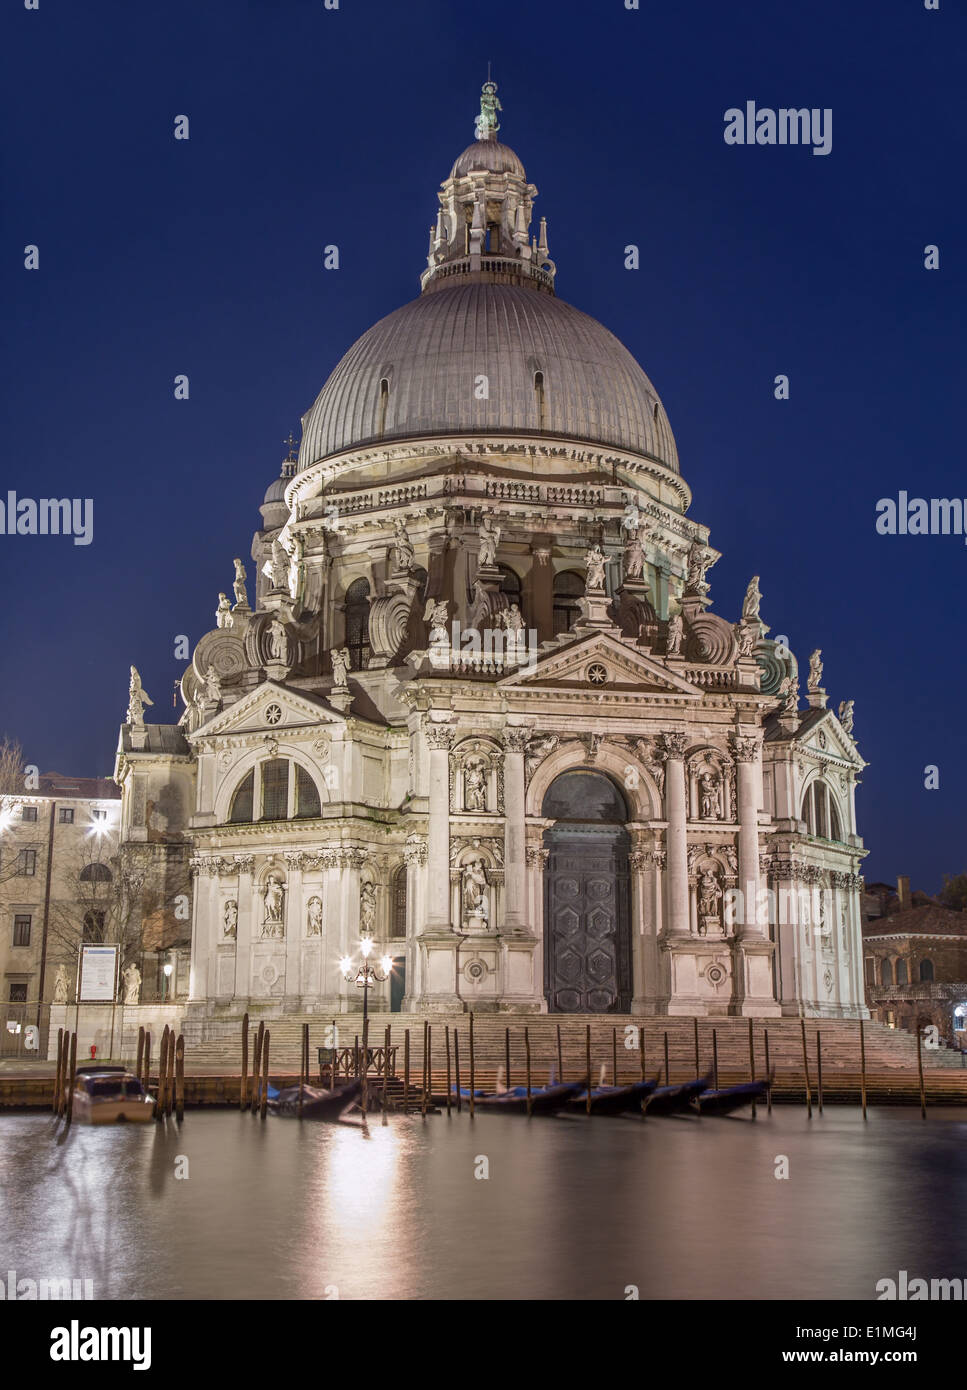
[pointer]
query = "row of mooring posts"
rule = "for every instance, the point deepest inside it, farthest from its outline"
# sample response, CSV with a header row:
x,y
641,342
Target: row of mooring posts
x,y
170,1095
254,1097
64,1074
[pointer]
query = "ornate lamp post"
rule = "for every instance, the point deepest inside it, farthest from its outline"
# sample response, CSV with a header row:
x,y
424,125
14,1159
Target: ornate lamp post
x,y
366,974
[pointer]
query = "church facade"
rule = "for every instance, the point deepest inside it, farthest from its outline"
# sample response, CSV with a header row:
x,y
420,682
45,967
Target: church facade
x,y
478,707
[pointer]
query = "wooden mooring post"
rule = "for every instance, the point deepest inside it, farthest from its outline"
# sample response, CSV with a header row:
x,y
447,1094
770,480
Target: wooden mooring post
x,y
257,1064
614,1056
863,1068
140,1062
387,1044
715,1058
71,1075
58,1074
265,1074
446,1033
456,1066
641,1047
819,1072
527,1062
805,1067
159,1104
406,1071
507,1058
587,1062
147,1061
180,1079
243,1079
170,1078
668,1078
698,1064
752,1063
560,1060
765,1041
426,1066
923,1094
472,1068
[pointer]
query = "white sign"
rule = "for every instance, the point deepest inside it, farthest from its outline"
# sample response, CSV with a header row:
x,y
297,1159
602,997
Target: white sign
x,y
98,974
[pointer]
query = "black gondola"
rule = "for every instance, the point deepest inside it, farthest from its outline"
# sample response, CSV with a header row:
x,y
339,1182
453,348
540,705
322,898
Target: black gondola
x,y
729,1098
545,1101
667,1100
317,1103
611,1100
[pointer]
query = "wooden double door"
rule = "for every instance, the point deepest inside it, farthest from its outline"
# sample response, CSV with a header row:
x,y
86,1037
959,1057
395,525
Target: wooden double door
x,y
587,928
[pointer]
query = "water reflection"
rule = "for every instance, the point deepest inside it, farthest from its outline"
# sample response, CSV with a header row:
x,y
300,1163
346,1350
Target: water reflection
x,y
679,1208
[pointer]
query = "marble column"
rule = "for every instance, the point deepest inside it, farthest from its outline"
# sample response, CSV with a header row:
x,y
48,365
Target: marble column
x,y
439,740
245,929
200,938
747,751
672,752
515,868
294,931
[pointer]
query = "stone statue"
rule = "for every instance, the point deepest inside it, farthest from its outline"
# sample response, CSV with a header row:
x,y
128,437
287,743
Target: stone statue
x,y
789,694
675,629
278,642
276,566
594,560
485,125
746,637
846,715
131,976
296,560
314,917
513,619
634,555
273,896
223,614
815,678
437,616
711,794
475,889
61,985
213,686
241,597
230,919
404,546
753,597
489,540
367,910
137,699
537,750
698,562
709,895
340,667
475,785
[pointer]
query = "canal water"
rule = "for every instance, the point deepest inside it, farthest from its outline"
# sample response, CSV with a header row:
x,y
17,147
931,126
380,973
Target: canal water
x,y
571,1208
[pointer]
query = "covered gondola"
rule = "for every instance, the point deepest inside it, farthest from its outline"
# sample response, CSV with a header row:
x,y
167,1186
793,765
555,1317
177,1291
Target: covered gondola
x,y
669,1100
317,1103
729,1098
611,1100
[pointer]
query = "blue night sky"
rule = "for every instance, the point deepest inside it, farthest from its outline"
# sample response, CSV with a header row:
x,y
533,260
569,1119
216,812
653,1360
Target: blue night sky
x,y
310,127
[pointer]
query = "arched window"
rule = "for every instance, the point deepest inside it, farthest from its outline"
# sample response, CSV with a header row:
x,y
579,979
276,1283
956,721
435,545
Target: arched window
x,y
278,793
357,623
926,970
819,811
886,972
383,402
568,588
306,794
541,401
399,901
95,873
242,801
93,927
902,977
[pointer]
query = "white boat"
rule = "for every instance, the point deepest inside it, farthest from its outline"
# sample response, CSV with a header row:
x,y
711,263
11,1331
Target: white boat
x,y
105,1095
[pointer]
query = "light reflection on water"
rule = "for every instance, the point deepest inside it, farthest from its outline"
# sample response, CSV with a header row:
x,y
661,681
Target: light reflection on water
x,y
572,1208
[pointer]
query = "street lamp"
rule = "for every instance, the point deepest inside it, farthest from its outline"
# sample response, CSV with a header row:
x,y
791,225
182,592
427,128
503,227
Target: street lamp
x,y
168,967
363,975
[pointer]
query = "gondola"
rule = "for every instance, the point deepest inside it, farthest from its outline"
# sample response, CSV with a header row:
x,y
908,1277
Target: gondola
x,y
317,1103
729,1098
546,1101
667,1100
611,1100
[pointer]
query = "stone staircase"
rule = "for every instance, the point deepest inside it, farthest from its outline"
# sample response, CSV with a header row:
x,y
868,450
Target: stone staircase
x,y
214,1047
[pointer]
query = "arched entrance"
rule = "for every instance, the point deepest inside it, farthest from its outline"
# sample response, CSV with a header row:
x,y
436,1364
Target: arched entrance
x,y
587,930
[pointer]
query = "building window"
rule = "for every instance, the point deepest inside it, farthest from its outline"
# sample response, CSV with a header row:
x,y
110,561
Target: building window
x,y
95,873
21,929
357,623
926,970
901,972
94,927
568,588
960,1018
28,813
886,972
493,238
28,863
18,992
67,815
819,811
383,402
307,794
399,901
870,970
242,801
98,814
275,789
541,401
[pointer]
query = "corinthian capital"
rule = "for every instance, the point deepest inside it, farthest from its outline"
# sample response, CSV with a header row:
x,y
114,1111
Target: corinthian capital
x,y
438,735
515,739
671,747
745,749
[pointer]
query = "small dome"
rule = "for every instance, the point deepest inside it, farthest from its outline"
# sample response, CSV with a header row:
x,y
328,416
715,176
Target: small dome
x,y
275,492
490,156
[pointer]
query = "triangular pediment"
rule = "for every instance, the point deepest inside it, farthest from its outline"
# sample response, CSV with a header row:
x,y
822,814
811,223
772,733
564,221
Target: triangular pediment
x,y
602,664
270,708
822,733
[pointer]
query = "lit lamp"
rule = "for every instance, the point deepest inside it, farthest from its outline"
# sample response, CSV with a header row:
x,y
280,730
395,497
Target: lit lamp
x,y
363,975
168,967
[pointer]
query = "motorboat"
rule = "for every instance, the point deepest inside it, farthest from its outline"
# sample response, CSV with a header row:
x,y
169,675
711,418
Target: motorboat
x,y
105,1095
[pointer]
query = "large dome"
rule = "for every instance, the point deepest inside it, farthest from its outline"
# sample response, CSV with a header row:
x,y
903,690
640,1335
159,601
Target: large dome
x,y
432,351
